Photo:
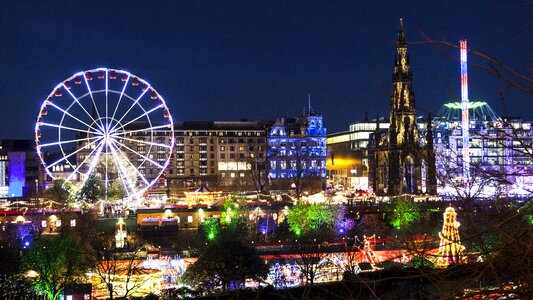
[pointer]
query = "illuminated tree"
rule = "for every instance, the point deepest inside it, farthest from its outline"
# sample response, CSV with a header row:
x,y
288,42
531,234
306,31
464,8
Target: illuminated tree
x,y
343,222
92,190
405,214
56,263
116,191
305,218
211,228
233,215
59,192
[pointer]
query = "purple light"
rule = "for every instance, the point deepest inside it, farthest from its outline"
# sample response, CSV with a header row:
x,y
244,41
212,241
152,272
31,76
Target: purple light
x,y
17,173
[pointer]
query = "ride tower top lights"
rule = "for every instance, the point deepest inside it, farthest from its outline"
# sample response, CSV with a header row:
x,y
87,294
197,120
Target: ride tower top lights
x,y
464,106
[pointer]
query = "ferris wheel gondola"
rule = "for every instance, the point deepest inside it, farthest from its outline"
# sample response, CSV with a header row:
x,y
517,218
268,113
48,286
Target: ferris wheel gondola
x,y
106,124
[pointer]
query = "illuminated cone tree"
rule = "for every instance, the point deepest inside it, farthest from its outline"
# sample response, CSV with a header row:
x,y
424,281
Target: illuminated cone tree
x,y
450,249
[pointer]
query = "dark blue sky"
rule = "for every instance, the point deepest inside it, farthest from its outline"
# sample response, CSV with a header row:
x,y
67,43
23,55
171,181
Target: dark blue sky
x,y
227,60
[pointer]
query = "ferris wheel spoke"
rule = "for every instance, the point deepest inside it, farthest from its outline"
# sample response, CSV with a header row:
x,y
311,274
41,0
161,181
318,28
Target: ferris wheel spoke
x,y
69,141
106,105
95,107
83,107
120,97
122,174
69,155
65,127
83,162
142,115
145,157
69,114
116,134
133,105
146,142
131,164
121,167
93,162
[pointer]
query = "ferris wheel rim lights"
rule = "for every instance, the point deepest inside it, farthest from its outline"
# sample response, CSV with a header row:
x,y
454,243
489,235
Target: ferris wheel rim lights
x,y
106,130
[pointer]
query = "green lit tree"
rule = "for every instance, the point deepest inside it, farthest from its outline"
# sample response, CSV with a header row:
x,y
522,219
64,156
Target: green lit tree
x,y
404,214
56,262
211,228
305,218
60,192
92,189
232,218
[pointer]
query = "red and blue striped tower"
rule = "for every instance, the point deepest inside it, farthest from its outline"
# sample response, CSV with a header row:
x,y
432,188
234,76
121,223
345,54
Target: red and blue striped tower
x,y
464,107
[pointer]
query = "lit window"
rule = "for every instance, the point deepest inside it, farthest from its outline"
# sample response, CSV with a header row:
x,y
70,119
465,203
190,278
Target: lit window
x,y
241,174
189,219
232,175
73,223
43,223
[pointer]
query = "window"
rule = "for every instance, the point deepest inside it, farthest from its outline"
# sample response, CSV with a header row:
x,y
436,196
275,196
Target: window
x,y
189,219
222,148
232,175
232,148
241,148
241,175
73,223
223,155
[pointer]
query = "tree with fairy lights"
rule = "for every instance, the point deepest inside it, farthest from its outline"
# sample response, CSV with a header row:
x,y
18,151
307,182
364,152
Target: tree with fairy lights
x,y
450,249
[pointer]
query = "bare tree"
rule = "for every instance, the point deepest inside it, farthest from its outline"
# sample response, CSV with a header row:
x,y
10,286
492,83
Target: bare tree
x,y
118,268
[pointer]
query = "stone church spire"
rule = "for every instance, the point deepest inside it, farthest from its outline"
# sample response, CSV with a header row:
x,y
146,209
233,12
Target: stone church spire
x,y
402,113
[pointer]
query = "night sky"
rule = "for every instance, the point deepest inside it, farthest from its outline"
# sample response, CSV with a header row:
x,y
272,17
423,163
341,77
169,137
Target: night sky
x,y
227,60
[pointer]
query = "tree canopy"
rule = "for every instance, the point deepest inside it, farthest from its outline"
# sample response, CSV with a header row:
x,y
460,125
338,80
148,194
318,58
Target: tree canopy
x,y
404,214
224,260
56,262
59,192
92,190
304,218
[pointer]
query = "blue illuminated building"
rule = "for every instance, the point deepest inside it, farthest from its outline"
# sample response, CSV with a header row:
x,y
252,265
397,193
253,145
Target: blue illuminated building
x,y
19,169
297,148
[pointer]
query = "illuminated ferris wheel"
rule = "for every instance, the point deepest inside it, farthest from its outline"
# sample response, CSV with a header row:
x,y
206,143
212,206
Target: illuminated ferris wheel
x,y
106,127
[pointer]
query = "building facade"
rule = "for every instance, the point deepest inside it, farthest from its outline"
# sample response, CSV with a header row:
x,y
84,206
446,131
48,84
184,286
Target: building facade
x,y
402,161
219,155
19,169
500,150
297,153
347,162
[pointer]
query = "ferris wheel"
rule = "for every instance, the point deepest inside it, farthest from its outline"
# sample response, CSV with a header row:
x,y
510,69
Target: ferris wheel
x,y
106,126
